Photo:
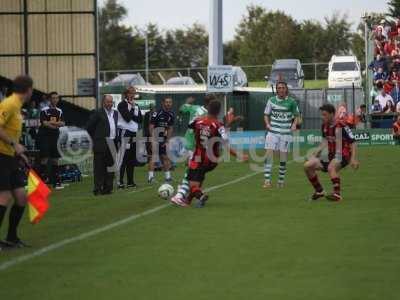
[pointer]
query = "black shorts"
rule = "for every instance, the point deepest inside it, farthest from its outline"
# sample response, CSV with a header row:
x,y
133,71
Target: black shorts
x,y
325,164
148,148
198,174
130,143
48,147
162,149
12,173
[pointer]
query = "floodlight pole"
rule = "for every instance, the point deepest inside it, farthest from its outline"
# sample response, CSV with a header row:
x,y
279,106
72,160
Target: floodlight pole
x,y
366,35
215,52
215,40
366,41
146,42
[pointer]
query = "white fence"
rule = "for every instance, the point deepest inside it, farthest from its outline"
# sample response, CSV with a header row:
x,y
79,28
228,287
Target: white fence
x,y
255,73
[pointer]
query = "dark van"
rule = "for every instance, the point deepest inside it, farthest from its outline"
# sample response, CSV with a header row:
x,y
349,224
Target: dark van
x,y
289,70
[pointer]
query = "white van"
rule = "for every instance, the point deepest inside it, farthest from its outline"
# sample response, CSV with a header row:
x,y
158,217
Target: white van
x,y
343,71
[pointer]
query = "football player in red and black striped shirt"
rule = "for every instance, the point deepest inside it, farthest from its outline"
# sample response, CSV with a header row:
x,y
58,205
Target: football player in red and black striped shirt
x,y
210,134
340,141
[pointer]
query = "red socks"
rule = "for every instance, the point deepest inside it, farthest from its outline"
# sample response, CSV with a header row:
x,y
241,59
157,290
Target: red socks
x,y
336,185
318,187
316,184
196,192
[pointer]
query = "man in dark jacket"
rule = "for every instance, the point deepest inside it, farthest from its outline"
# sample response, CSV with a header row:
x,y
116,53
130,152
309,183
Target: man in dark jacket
x,y
379,62
102,128
51,120
396,92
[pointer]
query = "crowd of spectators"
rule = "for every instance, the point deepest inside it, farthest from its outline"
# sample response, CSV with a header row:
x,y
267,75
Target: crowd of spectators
x,y
385,94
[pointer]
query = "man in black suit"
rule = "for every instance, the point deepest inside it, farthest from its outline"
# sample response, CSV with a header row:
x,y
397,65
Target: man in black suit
x,y
102,128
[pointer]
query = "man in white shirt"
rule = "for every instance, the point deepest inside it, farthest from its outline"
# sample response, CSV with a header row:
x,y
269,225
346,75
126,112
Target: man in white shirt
x,y
102,128
383,98
129,118
111,121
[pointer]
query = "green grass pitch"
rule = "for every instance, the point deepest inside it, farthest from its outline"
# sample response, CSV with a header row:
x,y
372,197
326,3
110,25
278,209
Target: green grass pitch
x,y
247,243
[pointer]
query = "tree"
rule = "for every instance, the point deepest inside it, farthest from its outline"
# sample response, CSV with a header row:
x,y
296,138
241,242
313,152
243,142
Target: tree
x,y
309,41
123,47
319,41
337,36
394,8
158,58
187,47
358,43
263,36
118,43
309,48
111,14
231,53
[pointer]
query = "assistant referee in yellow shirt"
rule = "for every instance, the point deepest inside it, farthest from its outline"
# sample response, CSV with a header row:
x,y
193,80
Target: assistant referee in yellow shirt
x,y
12,169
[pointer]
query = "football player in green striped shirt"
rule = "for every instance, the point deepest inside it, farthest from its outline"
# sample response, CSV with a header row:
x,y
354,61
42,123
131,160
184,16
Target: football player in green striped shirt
x,y
194,111
281,117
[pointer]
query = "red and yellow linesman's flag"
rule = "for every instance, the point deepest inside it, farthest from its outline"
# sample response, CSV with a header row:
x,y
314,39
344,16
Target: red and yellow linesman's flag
x,y
38,194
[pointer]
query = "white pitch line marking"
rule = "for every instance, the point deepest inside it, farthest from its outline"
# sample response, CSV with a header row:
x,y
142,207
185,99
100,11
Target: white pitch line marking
x,y
84,236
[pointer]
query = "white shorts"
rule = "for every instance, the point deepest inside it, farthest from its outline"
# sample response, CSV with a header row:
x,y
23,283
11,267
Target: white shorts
x,y
278,142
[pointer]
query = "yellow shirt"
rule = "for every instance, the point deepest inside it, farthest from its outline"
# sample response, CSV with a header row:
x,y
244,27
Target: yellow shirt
x,y
11,122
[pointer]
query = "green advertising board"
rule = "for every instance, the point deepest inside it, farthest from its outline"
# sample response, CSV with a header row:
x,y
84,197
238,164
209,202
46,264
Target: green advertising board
x,y
310,138
367,137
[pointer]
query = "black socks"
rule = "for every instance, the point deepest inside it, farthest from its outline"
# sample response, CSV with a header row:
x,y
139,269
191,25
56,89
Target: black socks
x,y
16,214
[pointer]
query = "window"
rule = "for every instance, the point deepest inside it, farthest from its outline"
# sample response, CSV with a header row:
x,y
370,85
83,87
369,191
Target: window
x,y
344,66
286,75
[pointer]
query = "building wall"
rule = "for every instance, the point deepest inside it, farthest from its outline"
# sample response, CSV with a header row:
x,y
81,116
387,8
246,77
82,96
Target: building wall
x,y
48,36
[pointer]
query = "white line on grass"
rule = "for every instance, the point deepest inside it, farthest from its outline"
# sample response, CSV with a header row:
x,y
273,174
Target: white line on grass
x,y
140,190
84,236
117,193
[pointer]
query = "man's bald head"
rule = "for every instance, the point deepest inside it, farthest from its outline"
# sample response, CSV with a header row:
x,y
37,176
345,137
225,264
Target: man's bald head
x,y
108,102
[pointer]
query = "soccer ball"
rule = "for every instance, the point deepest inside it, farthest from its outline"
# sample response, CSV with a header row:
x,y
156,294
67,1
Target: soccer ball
x,y
166,191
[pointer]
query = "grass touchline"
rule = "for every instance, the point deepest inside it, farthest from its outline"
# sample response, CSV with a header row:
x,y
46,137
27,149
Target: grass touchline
x,y
111,226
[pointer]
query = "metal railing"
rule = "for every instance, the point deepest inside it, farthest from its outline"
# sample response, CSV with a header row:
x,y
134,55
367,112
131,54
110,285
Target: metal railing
x,y
312,71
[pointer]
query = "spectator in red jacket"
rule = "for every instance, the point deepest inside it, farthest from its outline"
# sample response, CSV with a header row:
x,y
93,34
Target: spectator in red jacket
x,y
394,33
394,76
395,30
397,36
231,118
389,47
396,92
388,87
396,57
396,130
396,49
